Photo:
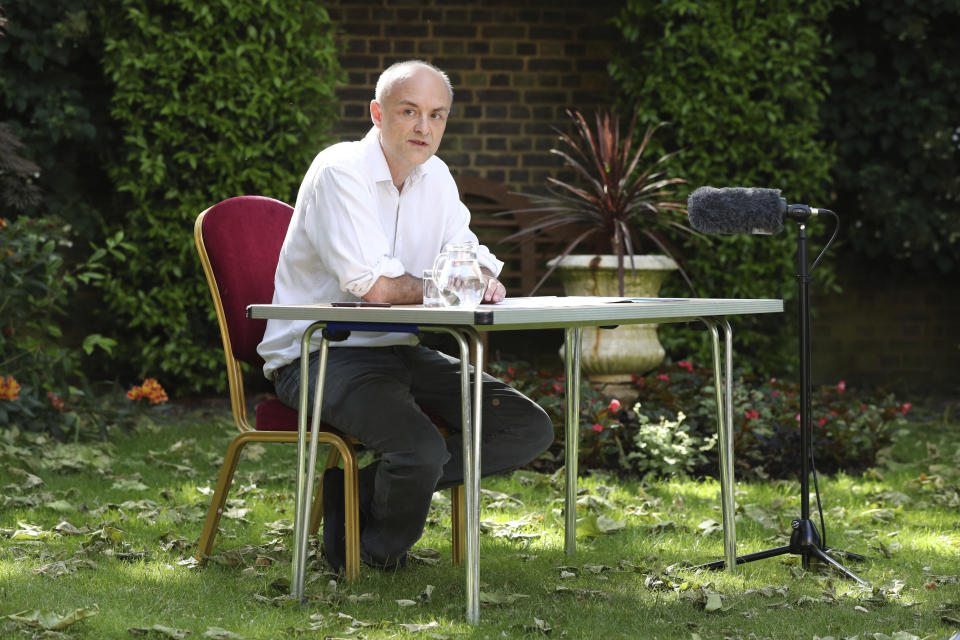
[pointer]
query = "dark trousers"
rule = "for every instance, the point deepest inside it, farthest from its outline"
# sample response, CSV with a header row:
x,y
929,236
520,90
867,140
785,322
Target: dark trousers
x,y
378,395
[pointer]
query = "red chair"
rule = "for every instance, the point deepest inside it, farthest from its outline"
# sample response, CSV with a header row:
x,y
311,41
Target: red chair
x,y
239,243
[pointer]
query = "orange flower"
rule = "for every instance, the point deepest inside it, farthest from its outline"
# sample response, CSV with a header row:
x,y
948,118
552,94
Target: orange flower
x,y
3,223
9,388
150,389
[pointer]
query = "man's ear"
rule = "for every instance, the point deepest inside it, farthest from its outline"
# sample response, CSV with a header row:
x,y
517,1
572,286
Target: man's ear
x,y
375,113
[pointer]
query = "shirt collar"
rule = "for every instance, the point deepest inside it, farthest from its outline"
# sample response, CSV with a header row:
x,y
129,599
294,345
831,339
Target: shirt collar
x,y
379,168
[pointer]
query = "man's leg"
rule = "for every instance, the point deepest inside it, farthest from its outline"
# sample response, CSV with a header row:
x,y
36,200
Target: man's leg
x,y
515,429
367,395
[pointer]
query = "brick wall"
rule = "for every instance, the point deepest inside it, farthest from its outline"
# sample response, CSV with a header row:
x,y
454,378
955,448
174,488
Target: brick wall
x,y
889,329
515,67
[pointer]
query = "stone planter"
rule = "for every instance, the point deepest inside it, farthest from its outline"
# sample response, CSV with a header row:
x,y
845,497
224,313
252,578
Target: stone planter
x,y
611,357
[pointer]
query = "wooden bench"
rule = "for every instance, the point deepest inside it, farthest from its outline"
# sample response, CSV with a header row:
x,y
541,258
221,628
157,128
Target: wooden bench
x,y
526,261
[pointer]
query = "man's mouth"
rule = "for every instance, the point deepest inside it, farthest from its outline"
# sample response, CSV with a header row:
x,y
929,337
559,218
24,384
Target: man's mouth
x,y
419,143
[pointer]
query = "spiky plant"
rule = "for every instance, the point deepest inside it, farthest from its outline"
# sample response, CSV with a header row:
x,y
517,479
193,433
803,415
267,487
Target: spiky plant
x,y
620,198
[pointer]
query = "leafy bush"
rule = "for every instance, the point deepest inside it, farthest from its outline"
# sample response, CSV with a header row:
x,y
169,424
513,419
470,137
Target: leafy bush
x,y
742,84
893,115
35,287
214,100
52,97
672,426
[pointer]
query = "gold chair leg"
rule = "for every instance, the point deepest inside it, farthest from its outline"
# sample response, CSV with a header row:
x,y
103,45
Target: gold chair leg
x,y
458,529
224,480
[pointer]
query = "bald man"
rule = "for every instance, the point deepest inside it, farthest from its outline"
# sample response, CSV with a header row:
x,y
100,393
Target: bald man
x,y
370,217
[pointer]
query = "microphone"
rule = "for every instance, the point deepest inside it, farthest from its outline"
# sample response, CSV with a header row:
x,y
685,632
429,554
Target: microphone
x,y
734,210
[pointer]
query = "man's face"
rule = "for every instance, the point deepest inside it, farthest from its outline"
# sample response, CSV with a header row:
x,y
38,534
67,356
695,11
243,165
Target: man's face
x,y
411,119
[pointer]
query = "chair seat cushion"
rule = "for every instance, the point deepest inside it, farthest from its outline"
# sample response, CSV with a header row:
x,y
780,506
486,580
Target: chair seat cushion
x,y
273,415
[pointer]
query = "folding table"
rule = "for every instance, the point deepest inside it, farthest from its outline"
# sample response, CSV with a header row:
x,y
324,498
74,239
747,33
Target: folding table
x,y
514,314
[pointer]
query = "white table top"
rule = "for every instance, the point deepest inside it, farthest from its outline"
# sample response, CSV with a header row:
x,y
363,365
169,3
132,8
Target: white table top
x,y
528,313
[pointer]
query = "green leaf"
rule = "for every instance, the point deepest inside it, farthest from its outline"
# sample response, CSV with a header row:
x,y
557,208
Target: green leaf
x,y
51,620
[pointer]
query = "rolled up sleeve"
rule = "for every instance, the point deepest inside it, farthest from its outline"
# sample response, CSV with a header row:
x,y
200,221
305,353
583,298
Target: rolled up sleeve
x,y
342,224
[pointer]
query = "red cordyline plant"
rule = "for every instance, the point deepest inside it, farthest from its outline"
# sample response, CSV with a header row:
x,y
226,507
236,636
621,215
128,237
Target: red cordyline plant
x,y
620,197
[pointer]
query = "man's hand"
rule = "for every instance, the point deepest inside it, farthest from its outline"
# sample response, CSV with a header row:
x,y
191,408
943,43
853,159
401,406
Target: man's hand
x,y
494,291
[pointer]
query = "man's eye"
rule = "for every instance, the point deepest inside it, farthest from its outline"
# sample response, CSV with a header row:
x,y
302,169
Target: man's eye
x,y
408,112
437,116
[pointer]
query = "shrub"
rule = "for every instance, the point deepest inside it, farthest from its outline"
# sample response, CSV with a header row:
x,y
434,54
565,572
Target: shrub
x,y
35,287
894,118
742,84
214,100
672,427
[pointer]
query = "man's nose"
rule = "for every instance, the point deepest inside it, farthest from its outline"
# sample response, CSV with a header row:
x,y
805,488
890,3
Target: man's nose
x,y
421,124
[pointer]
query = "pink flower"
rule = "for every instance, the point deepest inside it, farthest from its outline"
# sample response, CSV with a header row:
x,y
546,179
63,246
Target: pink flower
x,y
597,427
906,406
614,404
752,414
663,376
775,394
798,417
841,386
511,371
686,364
822,421
557,387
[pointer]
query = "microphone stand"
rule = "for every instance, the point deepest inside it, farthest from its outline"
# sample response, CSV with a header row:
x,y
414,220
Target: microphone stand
x,y
805,540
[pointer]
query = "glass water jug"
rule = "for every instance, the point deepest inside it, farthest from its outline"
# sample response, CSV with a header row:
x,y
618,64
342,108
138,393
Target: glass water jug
x,y
457,274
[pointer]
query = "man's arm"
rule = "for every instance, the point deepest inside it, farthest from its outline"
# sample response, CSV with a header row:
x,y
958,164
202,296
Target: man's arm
x,y
405,289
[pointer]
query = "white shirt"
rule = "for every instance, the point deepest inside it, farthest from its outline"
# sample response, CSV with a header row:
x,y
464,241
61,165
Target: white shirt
x,y
350,226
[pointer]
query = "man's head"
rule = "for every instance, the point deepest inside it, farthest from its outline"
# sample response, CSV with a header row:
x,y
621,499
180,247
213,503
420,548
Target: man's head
x,y
411,107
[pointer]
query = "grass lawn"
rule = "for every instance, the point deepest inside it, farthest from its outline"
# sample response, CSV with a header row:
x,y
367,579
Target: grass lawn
x,y
106,531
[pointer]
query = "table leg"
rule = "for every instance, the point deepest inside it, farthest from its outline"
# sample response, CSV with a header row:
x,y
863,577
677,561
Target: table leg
x,y
301,515
471,481
723,384
572,340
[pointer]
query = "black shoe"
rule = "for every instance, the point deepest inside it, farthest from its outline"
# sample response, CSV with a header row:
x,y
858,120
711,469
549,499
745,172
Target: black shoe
x,y
334,515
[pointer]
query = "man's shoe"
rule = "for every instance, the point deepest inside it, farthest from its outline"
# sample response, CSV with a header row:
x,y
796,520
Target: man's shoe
x,y
334,515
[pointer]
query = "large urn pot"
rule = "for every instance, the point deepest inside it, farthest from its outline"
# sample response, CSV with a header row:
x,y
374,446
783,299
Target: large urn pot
x,y
611,357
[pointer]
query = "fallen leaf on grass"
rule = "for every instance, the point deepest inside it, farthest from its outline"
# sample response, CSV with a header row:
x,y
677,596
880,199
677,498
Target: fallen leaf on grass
x,y
51,620
497,598
159,629
414,628
538,626
129,484
29,531
582,594
221,634
593,525
425,555
709,526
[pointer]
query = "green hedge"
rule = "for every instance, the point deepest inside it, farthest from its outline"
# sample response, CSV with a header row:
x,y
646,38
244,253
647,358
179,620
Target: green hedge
x,y
742,83
895,81
214,100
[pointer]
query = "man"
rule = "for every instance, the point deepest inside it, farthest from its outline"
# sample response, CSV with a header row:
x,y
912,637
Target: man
x,y
370,217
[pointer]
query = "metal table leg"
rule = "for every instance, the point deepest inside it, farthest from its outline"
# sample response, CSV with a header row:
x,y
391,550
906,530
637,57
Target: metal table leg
x,y
572,340
723,383
304,486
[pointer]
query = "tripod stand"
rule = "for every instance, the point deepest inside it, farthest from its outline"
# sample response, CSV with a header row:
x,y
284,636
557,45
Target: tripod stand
x,y
805,540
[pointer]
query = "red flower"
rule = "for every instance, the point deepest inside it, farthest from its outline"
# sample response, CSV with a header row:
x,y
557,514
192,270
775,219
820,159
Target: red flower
x,y
686,364
597,427
775,394
906,406
511,371
663,376
56,401
614,404
752,414
557,387
822,421
841,386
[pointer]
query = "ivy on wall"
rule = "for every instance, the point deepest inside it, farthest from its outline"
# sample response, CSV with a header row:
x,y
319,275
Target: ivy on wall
x,y
213,100
893,113
742,82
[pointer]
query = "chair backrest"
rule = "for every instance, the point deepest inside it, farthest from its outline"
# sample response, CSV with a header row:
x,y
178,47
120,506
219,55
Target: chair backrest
x,y
241,238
